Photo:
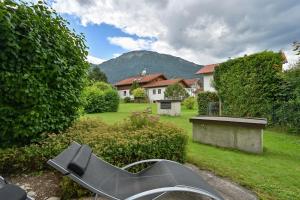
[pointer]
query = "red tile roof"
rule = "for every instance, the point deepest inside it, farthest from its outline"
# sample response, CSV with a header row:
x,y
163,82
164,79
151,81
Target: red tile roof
x,y
165,83
207,69
139,79
191,81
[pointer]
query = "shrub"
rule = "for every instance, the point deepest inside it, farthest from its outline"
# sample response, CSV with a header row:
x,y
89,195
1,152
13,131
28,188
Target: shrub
x,y
204,98
127,100
139,137
139,95
288,116
176,91
112,100
189,103
249,86
102,86
42,70
101,97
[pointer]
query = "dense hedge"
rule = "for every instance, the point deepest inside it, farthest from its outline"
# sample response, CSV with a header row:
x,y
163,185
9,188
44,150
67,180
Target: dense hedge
x,y
42,70
287,114
101,97
140,137
203,99
250,86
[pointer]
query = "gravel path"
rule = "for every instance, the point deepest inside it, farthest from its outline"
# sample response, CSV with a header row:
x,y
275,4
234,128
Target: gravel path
x,y
45,186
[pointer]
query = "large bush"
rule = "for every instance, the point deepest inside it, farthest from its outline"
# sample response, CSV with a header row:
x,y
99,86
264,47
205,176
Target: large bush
x,y
127,100
204,99
189,103
139,137
250,86
42,67
101,97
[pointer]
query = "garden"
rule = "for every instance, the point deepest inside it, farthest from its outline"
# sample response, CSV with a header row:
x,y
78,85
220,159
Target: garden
x,y
272,175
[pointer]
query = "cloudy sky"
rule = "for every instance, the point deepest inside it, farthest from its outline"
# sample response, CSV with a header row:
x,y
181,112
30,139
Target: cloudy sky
x,y
201,31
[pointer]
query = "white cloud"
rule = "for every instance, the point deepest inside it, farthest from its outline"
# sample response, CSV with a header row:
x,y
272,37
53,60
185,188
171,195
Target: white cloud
x,y
129,43
94,60
116,55
205,31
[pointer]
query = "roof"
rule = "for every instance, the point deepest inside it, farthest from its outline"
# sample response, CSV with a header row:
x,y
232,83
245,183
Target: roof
x,y
139,79
207,69
191,81
165,83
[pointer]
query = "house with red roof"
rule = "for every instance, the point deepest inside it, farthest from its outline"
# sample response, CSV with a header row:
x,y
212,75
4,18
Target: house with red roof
x,y
124,85
155,85
194,86
156,90
208,77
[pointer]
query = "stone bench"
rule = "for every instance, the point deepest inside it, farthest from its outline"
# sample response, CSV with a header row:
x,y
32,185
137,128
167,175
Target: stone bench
x,y
169,107
245,134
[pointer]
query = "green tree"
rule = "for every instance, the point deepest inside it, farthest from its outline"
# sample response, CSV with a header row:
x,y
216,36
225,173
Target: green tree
x,y
95,74
139,93
134,86
176,91
42,72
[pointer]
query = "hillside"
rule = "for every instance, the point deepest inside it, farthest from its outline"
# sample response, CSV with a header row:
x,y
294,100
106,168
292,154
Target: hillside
x,y
133,63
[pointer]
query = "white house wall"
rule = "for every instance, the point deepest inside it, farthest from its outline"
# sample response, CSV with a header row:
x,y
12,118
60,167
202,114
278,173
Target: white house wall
x,y
208,83
122,95
154,97
191,91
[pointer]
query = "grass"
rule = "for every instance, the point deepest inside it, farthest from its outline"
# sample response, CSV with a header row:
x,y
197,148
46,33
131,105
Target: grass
x,y
275,174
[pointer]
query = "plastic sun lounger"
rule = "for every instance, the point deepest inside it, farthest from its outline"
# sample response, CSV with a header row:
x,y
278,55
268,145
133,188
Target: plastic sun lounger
x,y
81,165
11,192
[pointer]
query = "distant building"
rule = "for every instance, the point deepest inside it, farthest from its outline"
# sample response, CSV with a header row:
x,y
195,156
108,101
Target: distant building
x,y
208,77
156,90
194,86
155,85
123,86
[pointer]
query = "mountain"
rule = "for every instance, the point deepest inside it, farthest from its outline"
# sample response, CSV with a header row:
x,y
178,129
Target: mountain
x,y
134,62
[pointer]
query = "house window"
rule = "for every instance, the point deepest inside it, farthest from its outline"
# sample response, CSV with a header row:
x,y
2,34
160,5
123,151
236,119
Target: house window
x,y
154,91
159,91
124,93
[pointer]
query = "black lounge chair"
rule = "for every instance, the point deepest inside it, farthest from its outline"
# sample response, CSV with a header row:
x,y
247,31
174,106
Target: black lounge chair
x,y
102,178
11,192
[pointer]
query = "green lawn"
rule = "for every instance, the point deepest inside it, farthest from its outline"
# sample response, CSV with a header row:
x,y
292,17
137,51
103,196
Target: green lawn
x,y
273,175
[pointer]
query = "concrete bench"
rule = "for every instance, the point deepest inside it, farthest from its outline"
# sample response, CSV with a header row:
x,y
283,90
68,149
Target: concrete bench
x,y
245,134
